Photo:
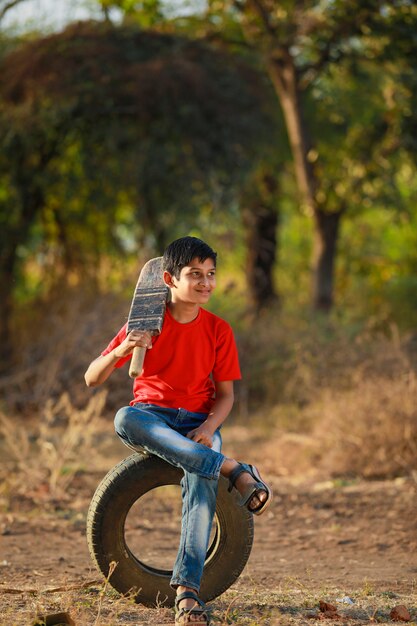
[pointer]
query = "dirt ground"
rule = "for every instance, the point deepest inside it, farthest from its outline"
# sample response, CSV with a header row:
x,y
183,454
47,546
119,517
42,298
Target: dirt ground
x,y
353,544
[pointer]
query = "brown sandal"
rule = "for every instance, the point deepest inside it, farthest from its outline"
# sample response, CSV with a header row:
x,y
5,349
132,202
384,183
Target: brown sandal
x,y
253,490
197,616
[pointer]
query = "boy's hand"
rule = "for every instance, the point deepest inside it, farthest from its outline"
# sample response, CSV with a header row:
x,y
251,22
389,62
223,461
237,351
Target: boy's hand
x,y
202,434
136,338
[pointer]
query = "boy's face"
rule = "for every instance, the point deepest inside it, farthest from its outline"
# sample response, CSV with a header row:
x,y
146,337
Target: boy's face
x,y
195,284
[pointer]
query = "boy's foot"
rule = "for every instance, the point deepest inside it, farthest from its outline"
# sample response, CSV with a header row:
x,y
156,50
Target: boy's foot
x,y
256,494
189,609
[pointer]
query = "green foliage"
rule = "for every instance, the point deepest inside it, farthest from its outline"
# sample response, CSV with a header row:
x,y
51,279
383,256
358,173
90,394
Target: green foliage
x,y
345,86
117,135
146,13
137,137
376,269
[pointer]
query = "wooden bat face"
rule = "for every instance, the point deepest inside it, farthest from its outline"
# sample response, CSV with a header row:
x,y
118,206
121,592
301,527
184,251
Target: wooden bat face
x,y
147,309
149,300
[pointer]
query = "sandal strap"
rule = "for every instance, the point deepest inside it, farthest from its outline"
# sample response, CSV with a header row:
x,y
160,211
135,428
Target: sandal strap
x,y
203,617
200,611
189,595
234,474
250,492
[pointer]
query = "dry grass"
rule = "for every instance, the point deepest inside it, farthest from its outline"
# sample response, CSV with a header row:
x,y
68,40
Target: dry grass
x,y
343,399
369,431
50,451
330,400
346,405
291,603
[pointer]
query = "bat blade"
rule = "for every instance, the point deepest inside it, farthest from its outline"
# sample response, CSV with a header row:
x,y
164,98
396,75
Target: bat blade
x,y
148,307
147,310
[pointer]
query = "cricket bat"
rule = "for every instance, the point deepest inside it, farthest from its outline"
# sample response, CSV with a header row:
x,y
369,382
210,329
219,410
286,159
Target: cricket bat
x,y
147,309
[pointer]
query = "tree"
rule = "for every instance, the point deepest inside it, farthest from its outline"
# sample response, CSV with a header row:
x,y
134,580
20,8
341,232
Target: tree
x,y
260,201
298,42
259,208
98,111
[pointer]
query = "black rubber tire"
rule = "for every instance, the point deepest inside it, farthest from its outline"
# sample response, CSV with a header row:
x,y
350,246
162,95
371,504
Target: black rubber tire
x,y
117,493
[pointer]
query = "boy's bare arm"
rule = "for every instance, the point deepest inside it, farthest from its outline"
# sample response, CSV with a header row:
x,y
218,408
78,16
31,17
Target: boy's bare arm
x,y
221,409
100,369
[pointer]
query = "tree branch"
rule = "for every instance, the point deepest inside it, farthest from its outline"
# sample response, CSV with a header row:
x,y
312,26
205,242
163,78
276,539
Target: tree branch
x,y
347,28
218,37
264,15
7,6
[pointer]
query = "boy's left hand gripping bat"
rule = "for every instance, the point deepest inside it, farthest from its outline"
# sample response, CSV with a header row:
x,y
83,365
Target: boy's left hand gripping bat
x,y
148,308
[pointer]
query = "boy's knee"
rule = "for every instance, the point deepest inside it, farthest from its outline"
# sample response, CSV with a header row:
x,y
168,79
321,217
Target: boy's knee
x,y
122,420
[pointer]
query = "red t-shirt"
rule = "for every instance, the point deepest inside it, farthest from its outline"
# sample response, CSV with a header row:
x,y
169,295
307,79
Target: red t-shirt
x,y
185,359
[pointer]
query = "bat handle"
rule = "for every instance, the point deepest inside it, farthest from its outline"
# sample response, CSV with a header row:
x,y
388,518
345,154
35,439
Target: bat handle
x,y
136,363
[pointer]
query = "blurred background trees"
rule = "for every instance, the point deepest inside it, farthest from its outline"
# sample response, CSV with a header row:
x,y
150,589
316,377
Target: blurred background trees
x,y
284,133
112,138
156,117
316,56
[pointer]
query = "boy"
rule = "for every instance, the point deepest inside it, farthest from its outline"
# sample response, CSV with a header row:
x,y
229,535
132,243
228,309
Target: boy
x,y
181,398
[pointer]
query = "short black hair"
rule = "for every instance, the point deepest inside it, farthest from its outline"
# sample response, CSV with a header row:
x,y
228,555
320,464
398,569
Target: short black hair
x,y
182,251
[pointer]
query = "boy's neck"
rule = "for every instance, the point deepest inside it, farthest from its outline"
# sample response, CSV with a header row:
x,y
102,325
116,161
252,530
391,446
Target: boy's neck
x,y
183,312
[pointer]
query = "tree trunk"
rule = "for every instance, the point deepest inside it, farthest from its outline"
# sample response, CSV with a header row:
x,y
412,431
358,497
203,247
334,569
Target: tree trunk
x,y
31,200
260,220
6,306
284,77
285,80
325,244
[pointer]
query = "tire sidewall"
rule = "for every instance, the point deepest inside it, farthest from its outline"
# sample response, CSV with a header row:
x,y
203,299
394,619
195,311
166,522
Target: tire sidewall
x,y
117,493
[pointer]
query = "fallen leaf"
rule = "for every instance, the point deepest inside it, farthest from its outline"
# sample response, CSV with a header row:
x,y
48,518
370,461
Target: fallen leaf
x,y
327,607
328,611
56,619
400,613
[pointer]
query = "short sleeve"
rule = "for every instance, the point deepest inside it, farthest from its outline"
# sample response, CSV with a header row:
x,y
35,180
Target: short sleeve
x,y
116,341
226,366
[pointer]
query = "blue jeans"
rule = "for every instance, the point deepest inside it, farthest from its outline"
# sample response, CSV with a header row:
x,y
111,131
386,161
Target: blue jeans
x,y
162,432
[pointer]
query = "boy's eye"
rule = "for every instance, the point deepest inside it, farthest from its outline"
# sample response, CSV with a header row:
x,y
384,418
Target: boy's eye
x,y
198,274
